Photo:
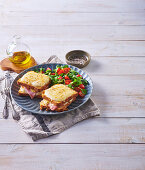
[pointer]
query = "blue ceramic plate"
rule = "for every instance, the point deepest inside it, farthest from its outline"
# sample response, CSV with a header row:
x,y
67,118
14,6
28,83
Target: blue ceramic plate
x,y
33,105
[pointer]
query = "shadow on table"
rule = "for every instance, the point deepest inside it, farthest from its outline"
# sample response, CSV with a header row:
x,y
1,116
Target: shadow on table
x,y
92,67
99,95
100,98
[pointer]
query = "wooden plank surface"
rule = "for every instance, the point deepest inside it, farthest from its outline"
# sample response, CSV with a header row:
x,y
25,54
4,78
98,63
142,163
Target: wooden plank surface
x,y
123,85
74,6
77,19
116,65
110,66
121,106
95,130
114,106
76,33
45,47
85,156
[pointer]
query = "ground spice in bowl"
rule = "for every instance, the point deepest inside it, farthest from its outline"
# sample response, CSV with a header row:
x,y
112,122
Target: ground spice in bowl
x,y
78,58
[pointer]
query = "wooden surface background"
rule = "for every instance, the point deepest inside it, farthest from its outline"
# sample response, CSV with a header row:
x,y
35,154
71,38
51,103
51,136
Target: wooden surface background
x,y
113,32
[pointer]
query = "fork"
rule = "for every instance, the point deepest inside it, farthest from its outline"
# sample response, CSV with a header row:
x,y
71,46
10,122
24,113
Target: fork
x,y
5,109
15,114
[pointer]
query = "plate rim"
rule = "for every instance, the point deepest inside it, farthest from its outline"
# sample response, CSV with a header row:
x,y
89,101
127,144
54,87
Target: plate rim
x,y
50,112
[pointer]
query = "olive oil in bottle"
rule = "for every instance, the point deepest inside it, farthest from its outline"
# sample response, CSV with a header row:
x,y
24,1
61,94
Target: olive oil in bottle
x,y
18,52
21,57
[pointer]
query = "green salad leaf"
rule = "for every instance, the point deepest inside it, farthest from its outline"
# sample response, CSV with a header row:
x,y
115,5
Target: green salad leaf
x,y
84,91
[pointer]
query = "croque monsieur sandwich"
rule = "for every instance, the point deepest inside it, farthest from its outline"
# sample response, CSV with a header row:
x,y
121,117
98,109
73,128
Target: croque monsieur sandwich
x,y
57,98
33,84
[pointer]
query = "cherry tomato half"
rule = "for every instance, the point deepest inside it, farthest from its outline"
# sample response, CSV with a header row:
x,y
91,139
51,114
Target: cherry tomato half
x,y
81,86
66,70
60,72
79,75
58,69
81,94
67,82
66,77
77,89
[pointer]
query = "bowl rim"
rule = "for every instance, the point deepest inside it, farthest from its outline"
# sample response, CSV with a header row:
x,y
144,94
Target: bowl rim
x,y
78,51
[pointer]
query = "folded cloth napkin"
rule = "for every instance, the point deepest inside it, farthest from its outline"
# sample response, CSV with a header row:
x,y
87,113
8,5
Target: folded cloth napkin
x,y
42,126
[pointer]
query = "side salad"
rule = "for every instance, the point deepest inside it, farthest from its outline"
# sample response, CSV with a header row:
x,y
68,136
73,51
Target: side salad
x,y
67,76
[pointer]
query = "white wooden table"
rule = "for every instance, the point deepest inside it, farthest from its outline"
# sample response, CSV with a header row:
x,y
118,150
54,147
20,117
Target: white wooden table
x,y
113,32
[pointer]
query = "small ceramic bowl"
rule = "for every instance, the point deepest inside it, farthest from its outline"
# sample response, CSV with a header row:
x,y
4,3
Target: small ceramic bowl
x,y
78,58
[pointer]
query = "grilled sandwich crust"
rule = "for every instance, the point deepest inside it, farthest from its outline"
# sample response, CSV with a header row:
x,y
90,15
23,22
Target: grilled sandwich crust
x,y
61,104
22,92
25,94
36,89
31,77
59,94
44,106
58,104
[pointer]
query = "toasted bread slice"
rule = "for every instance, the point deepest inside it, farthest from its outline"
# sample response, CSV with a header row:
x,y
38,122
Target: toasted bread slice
x,y
44,105
35,81
58,97
22,92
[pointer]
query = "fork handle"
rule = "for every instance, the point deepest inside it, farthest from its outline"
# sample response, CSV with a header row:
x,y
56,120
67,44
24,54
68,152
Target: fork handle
x,y
15,115
5,110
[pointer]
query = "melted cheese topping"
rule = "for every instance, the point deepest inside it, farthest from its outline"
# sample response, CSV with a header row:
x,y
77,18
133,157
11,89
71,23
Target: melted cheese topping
x,y
59,92
35,79
22,90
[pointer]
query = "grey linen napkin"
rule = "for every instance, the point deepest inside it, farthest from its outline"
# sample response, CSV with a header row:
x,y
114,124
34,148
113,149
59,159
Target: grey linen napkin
x,y
42,126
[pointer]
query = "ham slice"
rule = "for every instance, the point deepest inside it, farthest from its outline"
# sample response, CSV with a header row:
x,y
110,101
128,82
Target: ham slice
x,y
31,94
52,106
